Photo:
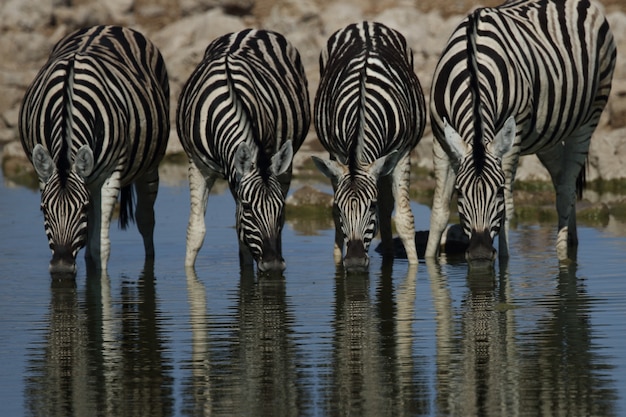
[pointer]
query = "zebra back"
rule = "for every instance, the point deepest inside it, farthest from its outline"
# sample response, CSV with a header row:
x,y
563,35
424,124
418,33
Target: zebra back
x,y
369,101
252,87
105,87
534,60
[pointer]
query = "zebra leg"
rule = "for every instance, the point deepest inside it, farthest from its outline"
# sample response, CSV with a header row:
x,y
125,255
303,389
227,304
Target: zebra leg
x,y
199,188
509,166
440,211
99,221
385,210
147,188
94,224
405,222
339,238
246,260
564,163
576,152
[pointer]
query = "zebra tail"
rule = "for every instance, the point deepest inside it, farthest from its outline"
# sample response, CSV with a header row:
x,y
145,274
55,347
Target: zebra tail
x,y
581,181
127,212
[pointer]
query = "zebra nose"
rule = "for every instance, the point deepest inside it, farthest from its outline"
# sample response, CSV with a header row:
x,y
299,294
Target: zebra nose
x,y
62,261
271,259
356,255
277,264
480,247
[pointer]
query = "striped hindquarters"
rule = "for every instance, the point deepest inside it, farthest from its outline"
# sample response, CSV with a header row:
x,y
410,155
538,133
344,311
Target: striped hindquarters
x,y
251,86
105,87
369,102
546,63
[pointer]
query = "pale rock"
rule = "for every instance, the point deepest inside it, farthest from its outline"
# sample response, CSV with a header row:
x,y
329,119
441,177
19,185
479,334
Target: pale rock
x,y
607,155
616,107
25,15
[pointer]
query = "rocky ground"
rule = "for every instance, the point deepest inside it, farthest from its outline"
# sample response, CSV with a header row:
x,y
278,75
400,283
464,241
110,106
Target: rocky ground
x,y
183,28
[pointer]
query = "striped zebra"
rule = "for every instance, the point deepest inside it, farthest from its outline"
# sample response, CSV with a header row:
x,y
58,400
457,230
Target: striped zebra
x,y
369,115
241,116
93,122
527,77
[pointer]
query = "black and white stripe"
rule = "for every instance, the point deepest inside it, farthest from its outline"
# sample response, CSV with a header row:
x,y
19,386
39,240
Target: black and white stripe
x,y
369,115
96,121
242,115
525,77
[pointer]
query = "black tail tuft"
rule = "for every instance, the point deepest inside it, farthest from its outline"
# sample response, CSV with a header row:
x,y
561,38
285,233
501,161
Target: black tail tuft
x,y
581,181
127,212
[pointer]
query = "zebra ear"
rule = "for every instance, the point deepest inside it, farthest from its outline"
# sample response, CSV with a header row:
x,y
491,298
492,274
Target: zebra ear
x,y
328,167
244,161
384,165
83,163
43,163
456,145
504,140
282,159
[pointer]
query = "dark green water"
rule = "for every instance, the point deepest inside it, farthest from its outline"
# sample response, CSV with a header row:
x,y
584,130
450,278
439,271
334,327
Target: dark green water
x,y
530,339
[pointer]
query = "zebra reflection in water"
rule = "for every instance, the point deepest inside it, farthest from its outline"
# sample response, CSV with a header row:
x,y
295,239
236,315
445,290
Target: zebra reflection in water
x,y
511,344
101,351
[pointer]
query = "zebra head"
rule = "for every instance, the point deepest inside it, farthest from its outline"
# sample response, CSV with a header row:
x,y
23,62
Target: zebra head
x,y
64,203
356,203
480,185
261,205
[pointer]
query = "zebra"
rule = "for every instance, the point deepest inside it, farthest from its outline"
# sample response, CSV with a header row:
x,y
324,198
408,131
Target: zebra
x,y
241,116
526,77
369,114
95,124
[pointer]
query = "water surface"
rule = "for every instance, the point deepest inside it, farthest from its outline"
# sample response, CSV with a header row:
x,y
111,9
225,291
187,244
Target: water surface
x,y
530,338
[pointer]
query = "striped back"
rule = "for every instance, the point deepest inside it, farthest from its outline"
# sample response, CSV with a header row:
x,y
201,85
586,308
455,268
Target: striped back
x,y
369,113
369,101
521,78
104,90
242,115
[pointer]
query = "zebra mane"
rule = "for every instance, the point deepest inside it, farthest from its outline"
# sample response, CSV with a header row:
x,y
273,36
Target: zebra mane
x,y
63,162
472,67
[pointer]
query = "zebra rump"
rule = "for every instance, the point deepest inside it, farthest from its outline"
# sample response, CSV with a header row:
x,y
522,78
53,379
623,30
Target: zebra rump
x,y
241,115
526,77
95,121
369,115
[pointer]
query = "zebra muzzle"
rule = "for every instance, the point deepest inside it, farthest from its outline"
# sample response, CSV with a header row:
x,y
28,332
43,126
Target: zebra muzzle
x,y
62,261
271,259
356,255
480,247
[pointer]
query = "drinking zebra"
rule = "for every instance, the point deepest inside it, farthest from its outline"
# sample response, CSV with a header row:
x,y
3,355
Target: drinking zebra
x,y
369,115
93,122
525,77
242,115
